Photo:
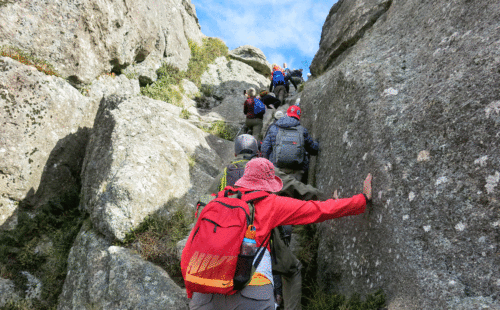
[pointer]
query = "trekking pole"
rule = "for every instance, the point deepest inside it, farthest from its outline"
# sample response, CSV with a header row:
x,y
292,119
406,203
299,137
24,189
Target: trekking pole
x,y
240,130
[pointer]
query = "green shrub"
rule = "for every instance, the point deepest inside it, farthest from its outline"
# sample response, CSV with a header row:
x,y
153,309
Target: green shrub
x,y
202,56
221,130
207,90
185,114
56,223
301,87
27,59
161,90
168,84
156,239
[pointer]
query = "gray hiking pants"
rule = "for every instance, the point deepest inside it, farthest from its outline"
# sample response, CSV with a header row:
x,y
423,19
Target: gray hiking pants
x,y
251,297
292,288
254,124
280,92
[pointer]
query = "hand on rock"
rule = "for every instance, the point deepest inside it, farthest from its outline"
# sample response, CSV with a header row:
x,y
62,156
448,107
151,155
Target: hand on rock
x,y
367,186
335,195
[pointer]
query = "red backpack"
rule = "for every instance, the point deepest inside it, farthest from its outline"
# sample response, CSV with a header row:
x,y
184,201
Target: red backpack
x,y
210,257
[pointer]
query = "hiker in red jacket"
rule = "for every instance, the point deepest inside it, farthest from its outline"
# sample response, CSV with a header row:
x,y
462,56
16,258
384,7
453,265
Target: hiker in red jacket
x,y
254,122
270,212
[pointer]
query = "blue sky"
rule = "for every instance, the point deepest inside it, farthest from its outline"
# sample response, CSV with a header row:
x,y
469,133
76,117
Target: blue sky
x,y
286,31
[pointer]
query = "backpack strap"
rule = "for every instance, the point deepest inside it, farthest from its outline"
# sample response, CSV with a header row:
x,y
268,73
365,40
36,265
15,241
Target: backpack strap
x,y
261,250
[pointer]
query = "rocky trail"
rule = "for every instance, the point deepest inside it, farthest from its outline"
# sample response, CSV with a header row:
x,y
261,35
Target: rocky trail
x,y
114,118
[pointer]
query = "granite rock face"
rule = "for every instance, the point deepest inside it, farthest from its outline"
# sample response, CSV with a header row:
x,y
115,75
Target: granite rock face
x,y
83,39
228,79
346,23
253,57
143,158
44,129
102,276
414,101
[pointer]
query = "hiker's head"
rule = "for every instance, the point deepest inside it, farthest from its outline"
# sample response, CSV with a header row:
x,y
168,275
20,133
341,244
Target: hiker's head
x,y
294,111
259,175
245,144
263,93
251,92
279,115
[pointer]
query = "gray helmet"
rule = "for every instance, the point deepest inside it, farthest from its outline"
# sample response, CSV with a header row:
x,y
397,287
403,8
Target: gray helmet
x,y
245,143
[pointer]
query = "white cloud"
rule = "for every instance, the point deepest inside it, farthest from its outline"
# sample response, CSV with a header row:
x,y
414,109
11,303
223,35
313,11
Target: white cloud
x,y
266,24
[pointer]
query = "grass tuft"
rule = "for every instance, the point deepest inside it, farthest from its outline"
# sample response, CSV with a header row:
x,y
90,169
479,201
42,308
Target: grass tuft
x,y
185,114
27,59
221,130
40,245
156,239
168,85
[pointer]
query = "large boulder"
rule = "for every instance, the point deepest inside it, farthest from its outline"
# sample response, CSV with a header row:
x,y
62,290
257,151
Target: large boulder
x,y
44,124
415,102
227,81
82,40
253,57
143,158
346,23
103,276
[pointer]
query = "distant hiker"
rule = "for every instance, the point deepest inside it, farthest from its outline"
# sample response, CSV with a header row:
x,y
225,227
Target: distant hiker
x,y
271,211
296,78
287,143
278,83
253,121
269,99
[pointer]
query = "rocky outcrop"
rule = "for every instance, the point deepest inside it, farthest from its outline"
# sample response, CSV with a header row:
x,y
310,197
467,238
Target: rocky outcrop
x,y
143,158
102,276
107,85
346,23
44,129
415,102
253,57
228,80
83,40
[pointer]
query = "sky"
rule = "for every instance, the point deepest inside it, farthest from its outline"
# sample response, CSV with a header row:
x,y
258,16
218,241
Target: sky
x,y
286,31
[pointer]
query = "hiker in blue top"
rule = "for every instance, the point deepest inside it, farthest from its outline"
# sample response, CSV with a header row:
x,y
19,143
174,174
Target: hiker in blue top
x,y
278,85
287,142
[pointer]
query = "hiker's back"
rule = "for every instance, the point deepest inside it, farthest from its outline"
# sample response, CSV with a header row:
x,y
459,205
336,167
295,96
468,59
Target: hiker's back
x,y
289,149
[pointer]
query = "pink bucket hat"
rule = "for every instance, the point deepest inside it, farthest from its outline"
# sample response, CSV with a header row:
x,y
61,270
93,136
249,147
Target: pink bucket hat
x,y
259,175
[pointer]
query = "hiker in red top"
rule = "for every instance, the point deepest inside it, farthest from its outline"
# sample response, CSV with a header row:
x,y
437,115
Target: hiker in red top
x,y
253,122
270,212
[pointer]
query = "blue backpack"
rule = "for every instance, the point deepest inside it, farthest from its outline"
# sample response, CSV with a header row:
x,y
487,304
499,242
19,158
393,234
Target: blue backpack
x,y
258,106
278,78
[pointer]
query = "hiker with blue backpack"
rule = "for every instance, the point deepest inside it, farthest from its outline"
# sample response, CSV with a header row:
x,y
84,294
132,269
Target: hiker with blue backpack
x,y
254,110
227,262
287,143
278,85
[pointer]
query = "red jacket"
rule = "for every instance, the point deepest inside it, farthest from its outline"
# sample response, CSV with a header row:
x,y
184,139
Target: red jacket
x,y
275,210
